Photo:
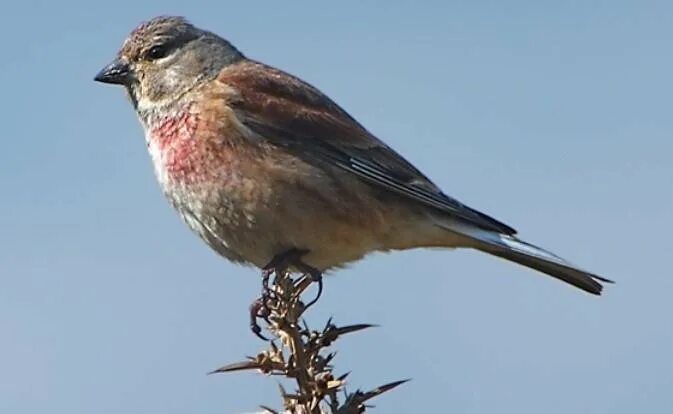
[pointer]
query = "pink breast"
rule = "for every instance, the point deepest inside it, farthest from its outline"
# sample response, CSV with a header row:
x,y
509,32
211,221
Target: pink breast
x,y
182,154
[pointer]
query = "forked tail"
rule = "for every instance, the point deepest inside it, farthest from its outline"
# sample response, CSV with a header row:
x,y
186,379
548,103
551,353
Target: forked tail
x,y
518,251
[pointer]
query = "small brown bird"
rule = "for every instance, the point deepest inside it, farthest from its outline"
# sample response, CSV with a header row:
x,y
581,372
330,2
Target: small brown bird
x,y
265,168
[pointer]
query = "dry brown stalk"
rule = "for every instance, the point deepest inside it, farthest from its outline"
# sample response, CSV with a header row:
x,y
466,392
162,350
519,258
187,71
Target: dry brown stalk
x,y
302,354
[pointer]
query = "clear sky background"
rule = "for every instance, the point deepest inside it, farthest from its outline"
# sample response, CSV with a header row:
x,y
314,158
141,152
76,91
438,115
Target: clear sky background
x,y
554,117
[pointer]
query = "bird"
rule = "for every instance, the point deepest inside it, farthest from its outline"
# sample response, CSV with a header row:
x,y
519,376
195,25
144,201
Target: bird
x,y
271,172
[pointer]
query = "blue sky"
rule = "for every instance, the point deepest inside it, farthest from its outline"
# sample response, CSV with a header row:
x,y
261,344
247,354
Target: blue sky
x,y
554,117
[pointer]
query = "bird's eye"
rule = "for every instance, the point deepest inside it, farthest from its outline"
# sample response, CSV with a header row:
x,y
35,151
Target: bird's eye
x,y
157,52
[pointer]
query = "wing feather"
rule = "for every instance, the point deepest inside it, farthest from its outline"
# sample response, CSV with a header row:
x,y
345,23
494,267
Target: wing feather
x,y
293,115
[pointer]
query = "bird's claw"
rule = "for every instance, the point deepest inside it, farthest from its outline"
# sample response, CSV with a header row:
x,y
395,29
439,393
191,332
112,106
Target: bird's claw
x,y
314,275
258,310
278,265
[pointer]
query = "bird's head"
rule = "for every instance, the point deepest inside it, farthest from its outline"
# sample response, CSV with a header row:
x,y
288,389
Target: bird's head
x,y
164,58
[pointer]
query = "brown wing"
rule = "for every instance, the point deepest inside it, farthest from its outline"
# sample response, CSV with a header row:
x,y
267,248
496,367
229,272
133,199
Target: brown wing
x,y
294,115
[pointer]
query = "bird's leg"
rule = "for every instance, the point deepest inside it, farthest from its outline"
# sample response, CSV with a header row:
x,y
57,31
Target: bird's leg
x,y
279,264
257,310
260,307
314,274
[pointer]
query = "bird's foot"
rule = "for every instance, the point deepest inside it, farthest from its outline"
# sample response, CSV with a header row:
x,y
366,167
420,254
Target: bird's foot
x,y
258,310
278,266
313,275
282,261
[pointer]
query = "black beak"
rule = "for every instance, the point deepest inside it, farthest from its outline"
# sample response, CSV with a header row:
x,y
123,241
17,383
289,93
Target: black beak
x,y
117,73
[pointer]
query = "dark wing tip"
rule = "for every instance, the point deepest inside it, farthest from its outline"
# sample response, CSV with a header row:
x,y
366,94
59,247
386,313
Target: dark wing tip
x,y
591,284
595,288
478,218
604,280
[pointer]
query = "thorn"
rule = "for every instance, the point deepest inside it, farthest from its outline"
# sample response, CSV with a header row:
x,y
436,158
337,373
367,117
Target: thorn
x,y
391,385
343,377
295,397
354,328
268,410
237,366
381,389
283,393
333,334
330,357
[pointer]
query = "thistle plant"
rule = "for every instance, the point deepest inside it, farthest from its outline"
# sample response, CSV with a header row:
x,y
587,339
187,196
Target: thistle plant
x,y
301,354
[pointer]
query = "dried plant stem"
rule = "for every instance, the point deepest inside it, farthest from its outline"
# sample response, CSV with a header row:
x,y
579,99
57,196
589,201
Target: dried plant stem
x,y
302,353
